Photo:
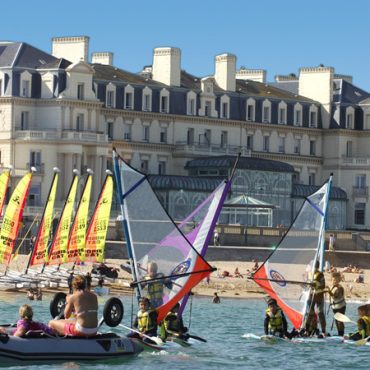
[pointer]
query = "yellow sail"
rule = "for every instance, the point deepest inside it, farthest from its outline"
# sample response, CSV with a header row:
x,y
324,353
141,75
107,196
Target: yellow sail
x,y
58,253
95,240
40,253
77,239
4,180
12,218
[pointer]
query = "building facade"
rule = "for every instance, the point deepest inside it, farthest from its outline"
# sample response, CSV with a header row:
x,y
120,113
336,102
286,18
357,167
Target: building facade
x,y
60,109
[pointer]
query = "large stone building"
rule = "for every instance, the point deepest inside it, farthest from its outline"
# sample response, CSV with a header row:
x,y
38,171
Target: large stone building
x,y
60,109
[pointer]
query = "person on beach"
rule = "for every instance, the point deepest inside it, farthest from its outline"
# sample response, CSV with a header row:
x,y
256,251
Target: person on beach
x,y
275,322
338,302
145,321
216,298
316,298
363,324
26,324
173,324
84,305
155,288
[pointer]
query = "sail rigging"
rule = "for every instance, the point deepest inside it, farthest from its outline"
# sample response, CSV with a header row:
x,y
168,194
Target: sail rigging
x,y
99,223
77,238
4,181
12,217
58,251
287,273
153,237
40,253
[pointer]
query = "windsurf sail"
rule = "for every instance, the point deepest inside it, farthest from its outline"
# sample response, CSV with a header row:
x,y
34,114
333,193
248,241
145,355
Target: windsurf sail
x,y
153,237
4,181
12,218
58,251
40,253
287,273
77,238
98,227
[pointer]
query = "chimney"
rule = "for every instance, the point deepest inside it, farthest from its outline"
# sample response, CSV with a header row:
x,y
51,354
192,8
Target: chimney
x,y
317,83
225,67
74,48
167,66
258,75
102,58
286,78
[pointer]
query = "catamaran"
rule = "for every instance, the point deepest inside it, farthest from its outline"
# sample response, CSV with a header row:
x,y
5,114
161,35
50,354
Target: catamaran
x,y
287,274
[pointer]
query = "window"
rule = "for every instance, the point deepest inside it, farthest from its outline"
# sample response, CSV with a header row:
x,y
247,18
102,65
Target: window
x,y
161,168
281,144
282,115
349,149
311,179
266,143
129,100
1,87
163,135
190,136
35,159
297,115
164,104
81,91
367,119
26,88
146,105
250,112
208,108
191,107
127,132
360,181
146,133
312,147
79,122
297,146
110,99
207,137
24,121
266,114
349,120
110,130
144,166
225,110
223,139
360,213
250,142
34,196
313,119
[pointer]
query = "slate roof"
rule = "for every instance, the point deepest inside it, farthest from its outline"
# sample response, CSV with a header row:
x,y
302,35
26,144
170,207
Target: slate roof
x,y
351,94
244,163
302,191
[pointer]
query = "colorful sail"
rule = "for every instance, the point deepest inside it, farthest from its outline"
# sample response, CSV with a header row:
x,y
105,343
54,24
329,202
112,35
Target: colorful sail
x,y
40,253
12,218
152,236
4,181
287,273
77,238
98,227
58,253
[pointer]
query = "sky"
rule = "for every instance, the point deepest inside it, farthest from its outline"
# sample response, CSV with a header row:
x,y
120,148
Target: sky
x,y
279,36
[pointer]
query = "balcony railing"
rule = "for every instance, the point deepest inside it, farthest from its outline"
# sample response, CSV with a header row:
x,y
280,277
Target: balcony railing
x,y
65,135
355,161
40,167
185,148
360,192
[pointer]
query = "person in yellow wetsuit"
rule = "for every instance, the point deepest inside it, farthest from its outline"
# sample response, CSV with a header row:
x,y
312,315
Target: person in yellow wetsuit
x,y
363,324
173,324
275,322
338,302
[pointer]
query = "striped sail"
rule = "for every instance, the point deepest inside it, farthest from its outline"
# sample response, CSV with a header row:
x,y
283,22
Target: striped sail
x,y
4,181
98,227
77,238
12,218
287,273
40,253
58,253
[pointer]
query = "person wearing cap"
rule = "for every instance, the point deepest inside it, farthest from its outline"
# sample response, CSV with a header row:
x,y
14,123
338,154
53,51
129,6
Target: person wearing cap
x,y
363,324
316,298
146,321
338,302
275,321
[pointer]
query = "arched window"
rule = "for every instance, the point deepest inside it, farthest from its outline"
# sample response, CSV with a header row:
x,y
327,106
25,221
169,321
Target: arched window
x,y
147,99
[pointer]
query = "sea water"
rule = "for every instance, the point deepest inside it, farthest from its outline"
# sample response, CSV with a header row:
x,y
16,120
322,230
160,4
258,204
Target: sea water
x,y
223,325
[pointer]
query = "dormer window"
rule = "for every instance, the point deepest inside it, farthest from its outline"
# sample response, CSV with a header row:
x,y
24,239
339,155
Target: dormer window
x,y
81,91
298,115
129,97
26,88
266,111
164,101
191,103
225,107
25,84
110,99
282,119
147,99
251,105
313,116
1,87
208,108
350,114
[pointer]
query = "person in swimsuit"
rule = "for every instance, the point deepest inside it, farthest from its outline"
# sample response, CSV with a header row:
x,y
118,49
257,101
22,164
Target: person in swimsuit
x,y
26,324
84,305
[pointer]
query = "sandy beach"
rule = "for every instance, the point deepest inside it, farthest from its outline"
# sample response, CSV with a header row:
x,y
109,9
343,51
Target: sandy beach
x,y
232,287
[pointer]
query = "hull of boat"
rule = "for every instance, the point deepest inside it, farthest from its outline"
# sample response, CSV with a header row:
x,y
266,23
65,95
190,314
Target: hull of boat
x,y
44,349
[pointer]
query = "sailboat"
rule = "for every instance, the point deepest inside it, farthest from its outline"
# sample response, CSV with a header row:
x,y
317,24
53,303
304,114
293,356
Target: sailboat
x,y
4,181
287,273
